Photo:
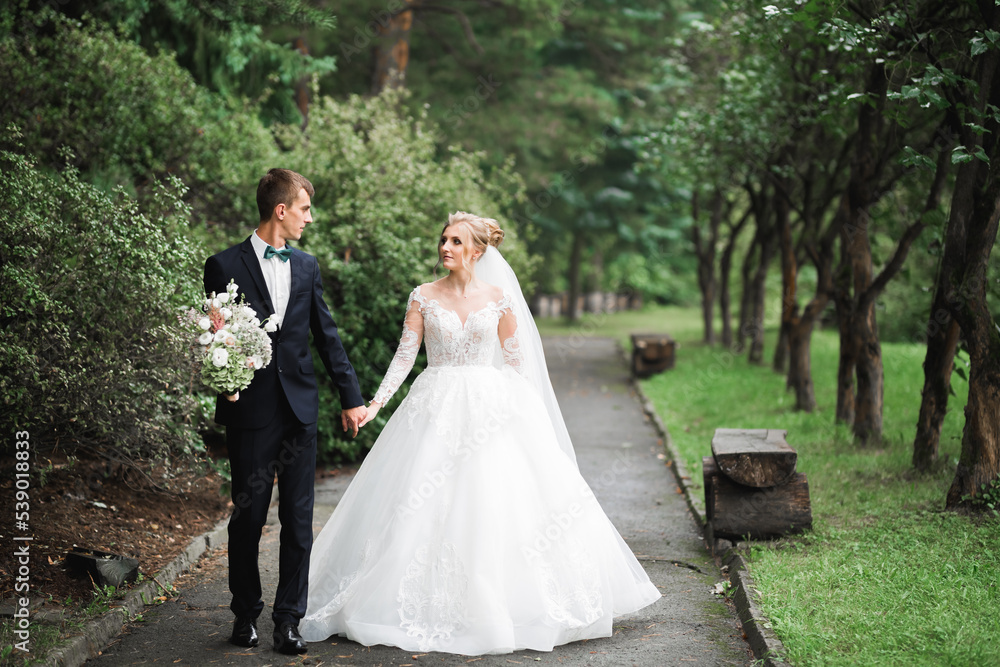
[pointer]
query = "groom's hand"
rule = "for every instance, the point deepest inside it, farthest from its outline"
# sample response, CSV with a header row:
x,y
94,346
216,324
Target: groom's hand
x,y
352,418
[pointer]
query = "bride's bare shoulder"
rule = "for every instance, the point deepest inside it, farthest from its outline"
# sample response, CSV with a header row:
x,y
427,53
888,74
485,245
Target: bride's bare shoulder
x,y
430,290
495,293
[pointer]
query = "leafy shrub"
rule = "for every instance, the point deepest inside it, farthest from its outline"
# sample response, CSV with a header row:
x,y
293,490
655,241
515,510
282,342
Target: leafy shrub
x,y
130,117
90,283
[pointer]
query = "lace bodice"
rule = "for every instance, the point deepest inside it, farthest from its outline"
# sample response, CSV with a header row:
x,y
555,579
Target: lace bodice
x,y
487,332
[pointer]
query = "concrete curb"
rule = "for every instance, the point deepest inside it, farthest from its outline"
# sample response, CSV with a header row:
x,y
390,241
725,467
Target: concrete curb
x,y
763,642
98,633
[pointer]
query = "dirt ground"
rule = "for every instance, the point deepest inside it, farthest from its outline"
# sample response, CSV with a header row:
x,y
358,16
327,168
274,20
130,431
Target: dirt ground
x,y
106,507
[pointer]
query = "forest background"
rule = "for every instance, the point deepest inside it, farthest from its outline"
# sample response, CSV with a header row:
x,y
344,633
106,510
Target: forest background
x,y
783,168
674,151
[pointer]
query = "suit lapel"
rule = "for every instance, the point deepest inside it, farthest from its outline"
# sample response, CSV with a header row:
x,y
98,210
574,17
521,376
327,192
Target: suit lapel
x,y
253,267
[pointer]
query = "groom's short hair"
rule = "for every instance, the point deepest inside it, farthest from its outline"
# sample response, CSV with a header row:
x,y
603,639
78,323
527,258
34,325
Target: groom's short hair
x,y
280,186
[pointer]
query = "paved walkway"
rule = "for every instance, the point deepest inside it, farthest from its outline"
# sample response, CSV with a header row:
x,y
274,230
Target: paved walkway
x,y
620,456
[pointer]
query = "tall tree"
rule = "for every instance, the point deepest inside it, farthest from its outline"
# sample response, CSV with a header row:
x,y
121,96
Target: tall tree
x,y
974,217
725,268
705,238
966,98
886,119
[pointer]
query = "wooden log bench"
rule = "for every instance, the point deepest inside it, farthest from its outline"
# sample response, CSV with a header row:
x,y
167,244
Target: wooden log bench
x,y
751,487
652,354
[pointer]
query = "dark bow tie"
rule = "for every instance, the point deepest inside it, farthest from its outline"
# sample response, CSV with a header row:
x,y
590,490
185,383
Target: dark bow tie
x,y
282,254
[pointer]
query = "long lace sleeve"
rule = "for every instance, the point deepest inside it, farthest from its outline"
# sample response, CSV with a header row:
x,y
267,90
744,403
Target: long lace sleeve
x,y
406,353
509,342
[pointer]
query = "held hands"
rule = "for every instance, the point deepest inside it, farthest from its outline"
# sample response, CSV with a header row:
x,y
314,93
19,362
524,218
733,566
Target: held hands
x,y
353,418
371,411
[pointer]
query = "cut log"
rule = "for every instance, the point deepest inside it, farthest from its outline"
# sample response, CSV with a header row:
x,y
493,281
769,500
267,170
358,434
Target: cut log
x,y
754,457
652,354
735,511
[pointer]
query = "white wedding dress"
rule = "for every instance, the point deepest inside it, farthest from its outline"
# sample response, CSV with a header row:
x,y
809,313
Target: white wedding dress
x,y
467,529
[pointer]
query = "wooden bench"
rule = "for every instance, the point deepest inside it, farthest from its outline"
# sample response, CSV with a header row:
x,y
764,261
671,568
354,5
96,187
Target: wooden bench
x,y
751,487
652,354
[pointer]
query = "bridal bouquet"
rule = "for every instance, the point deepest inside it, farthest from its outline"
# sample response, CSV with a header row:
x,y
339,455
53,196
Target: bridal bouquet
x,y
233,342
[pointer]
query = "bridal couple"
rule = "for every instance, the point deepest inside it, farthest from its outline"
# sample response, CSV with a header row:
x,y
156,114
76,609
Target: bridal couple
x,y
468,529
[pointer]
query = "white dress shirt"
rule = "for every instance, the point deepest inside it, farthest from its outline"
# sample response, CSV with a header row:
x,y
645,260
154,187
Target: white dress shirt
x,y
277,276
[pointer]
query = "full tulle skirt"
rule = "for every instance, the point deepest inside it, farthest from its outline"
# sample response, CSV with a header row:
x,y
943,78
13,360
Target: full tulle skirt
x,y
467,530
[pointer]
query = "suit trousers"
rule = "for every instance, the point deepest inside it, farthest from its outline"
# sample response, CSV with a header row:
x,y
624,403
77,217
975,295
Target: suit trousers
x,y
284,449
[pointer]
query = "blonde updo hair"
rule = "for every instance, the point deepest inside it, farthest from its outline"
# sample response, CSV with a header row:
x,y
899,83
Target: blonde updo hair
x,y
483,232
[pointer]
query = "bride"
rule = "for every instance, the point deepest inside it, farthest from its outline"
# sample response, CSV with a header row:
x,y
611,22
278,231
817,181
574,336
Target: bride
x,y
468,529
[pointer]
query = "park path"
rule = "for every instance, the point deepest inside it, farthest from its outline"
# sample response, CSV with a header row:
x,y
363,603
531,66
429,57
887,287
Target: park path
x,y
620,455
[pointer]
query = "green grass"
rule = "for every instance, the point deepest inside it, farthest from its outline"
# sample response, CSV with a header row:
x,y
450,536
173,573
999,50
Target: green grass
x,y
663,319
886,576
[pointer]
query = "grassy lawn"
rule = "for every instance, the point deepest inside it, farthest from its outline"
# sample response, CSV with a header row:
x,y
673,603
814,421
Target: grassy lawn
x,y
886,577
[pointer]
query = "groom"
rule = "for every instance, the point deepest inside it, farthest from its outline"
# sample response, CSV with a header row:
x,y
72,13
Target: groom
x,y
271,425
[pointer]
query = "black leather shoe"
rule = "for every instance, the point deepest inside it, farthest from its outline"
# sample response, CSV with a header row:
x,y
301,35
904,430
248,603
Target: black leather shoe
x,y
287,640
245,632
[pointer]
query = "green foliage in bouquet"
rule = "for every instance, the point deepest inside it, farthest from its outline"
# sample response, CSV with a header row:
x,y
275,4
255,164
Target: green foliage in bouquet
x,y
90,282
383,195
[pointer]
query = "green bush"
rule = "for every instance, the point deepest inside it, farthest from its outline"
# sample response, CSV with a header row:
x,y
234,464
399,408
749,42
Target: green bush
x,y
383,194
90,284
130,117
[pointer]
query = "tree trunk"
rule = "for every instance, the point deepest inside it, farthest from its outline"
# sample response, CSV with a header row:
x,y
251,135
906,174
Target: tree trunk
x,y
859,345
744,330
979,463
942,341
725,265
392,50
868,368
942,329
845,364
302,85
758,291
575,259
705,251
799,363
789,274
801,329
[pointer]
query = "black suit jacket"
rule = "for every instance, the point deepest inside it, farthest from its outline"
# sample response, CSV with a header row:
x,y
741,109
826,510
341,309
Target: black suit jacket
x,y
291,366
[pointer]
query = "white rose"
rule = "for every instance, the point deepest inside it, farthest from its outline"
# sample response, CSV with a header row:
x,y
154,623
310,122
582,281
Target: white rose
x,y
230,340
220,356
204,323
254,362
220,335
226,313
223,297
206,338
216,303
